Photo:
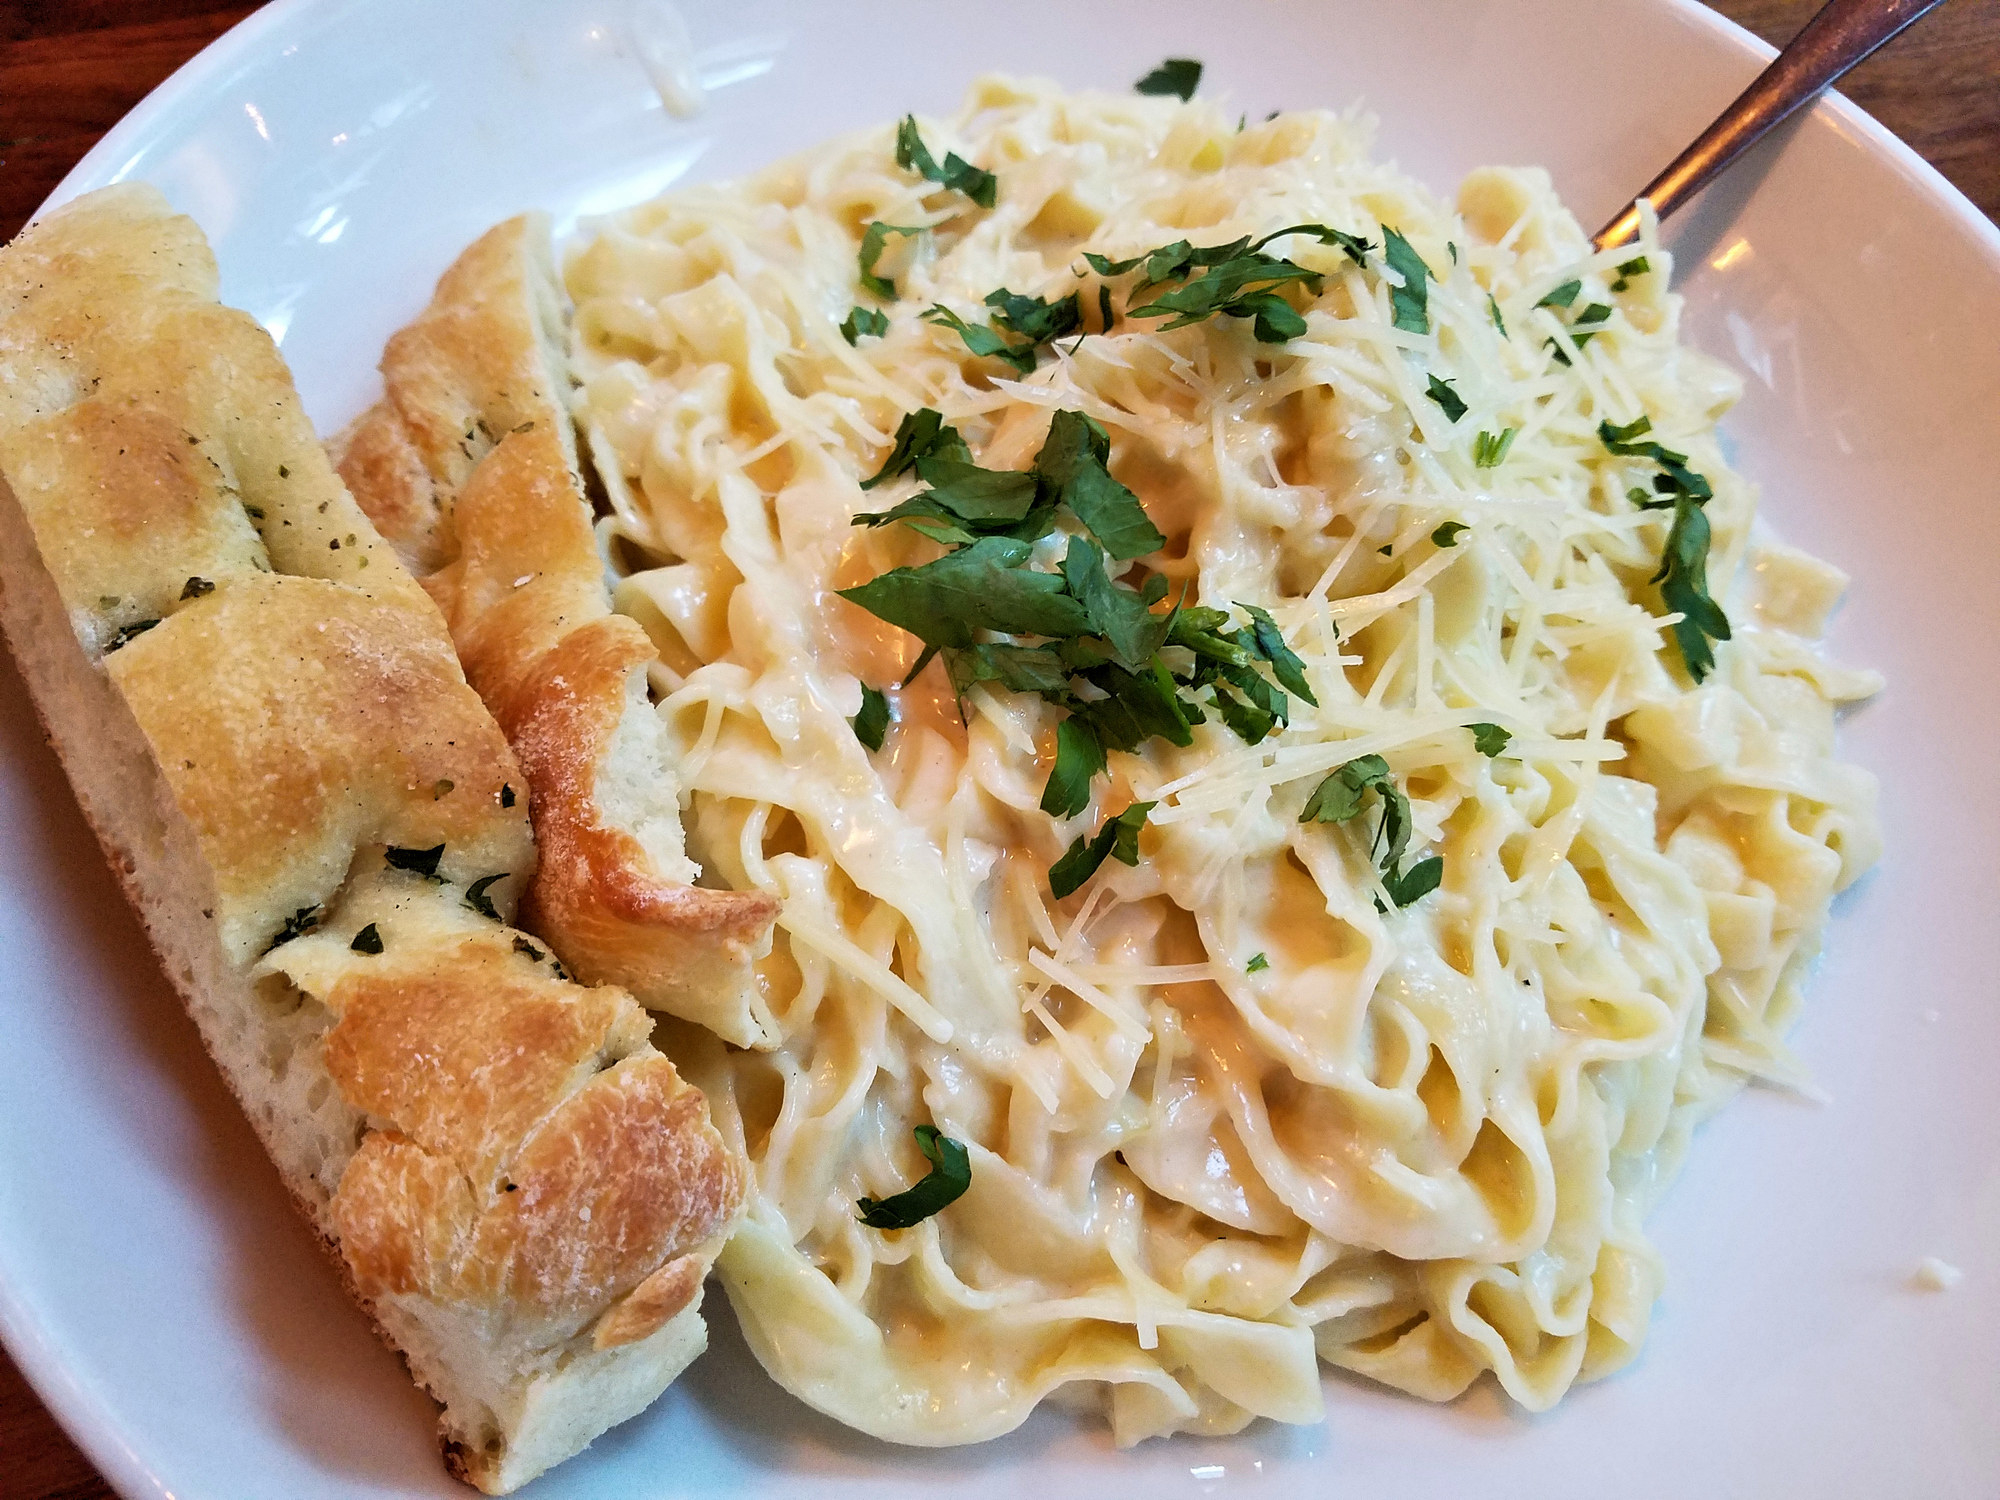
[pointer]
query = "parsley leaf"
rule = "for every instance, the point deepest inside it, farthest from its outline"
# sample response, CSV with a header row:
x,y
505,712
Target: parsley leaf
x,y
950,1175
1410,302
1562,296
1178,76
1683,574
1415,883
1448,534
1117,839
1489,449
129,633
1119,614
957,174
874,240
975,494
1493,308
367,940
1024,669
1678,478
863,320
920,434
1079,757
1137,707
1035,318
872,723
1441,392
1258,963
1338,798
417,861
1489,739
298,924
1356,247
478,900
1637,266
980,587
1268,643
1072,463
1240,286
1683,581
983,341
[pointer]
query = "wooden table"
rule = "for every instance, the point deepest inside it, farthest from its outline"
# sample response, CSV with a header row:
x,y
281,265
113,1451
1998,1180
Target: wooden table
x,y
70,68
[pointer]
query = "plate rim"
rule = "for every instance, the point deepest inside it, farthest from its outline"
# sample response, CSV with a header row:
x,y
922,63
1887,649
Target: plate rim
x,y
84,1413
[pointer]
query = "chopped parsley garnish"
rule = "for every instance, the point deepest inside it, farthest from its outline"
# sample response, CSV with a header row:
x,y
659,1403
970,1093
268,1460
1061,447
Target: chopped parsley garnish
x,y
1637,266
1072,464
872,723
506,794
367,940
1415,883
1178,76
1034,319
129,633
1582,331
1123,670
950,1175
1489,450
984,586
1676,477
194,588
921,434
1448,399
1242,287
478,900
862,321
1683,574
874,240
417,861
298,924
1237,279
1582,328
1079,757
1489,739
1117,839
957,174
1410,302
1339,799
1258,963
1683,581
1448,534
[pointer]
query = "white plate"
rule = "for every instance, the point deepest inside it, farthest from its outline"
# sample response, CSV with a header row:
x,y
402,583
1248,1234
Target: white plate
x,y
180,1321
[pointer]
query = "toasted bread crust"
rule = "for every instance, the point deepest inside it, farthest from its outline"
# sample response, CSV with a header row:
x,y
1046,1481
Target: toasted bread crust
x,y
322,828
475,387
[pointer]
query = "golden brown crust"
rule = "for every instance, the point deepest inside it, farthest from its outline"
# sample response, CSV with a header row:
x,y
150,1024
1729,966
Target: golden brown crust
x,y
525,598
536,1154
298,721
653,1303
500,1155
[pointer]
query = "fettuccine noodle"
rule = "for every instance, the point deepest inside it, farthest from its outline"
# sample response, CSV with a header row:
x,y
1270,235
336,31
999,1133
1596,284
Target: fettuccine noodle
x,y
1420,1143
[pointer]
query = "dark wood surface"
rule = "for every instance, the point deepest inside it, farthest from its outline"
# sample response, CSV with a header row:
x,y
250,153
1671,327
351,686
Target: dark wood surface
x,y
70,68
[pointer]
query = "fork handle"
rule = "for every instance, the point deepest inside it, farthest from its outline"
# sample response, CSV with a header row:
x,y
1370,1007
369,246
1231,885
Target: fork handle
x,y
1834,40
